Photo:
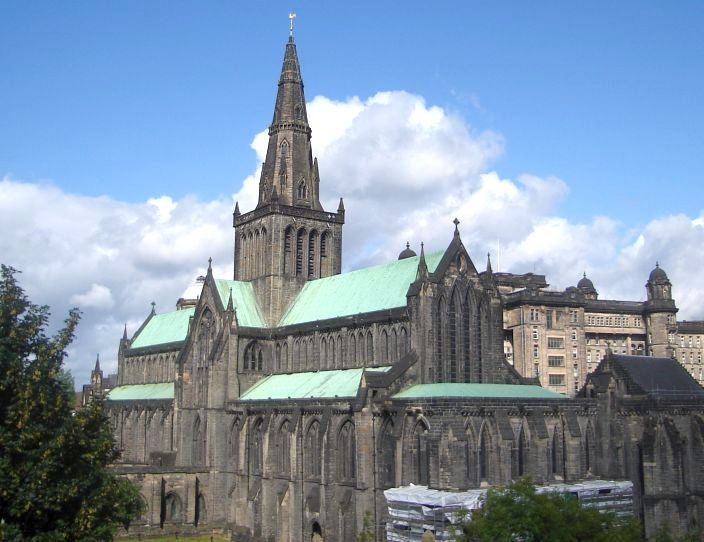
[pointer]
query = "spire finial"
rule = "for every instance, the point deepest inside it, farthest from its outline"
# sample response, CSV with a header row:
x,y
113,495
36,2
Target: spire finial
x,y
488,263
584,274
124,333
153,307
97,362
408,245
210,264
230,304
237,208
457,230
291,17
657,263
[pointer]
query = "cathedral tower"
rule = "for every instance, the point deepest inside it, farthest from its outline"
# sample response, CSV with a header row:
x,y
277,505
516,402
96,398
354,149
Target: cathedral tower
x,y
288,238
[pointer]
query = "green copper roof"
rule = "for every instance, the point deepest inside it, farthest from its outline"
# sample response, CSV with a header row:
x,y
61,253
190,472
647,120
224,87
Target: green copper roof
x,y
507,391
133,392
317,385
164,328
244,300
376,288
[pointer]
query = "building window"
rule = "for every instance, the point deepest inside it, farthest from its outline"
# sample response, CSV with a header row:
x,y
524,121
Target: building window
x,y
302,190
536,351
574,353
556,380
535,333
574,334
346,452
556,361
573,316
556,342
549,318
534,315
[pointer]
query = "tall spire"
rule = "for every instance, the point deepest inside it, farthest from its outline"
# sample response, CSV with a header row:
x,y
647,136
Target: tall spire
x,y
97,363
289,165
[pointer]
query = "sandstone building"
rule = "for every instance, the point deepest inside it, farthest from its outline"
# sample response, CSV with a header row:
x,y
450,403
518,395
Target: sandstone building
x,y
278,404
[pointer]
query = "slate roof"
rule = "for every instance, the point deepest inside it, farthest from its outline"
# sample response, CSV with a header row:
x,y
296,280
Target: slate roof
x,y
461,390
656,377
135,392
371,289
338,383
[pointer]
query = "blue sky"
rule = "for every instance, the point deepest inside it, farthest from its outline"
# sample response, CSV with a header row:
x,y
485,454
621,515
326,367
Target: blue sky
x,y
138,99
571,133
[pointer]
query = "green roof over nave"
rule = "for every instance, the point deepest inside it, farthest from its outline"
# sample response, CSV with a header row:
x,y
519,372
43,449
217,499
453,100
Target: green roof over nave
x,y
376,288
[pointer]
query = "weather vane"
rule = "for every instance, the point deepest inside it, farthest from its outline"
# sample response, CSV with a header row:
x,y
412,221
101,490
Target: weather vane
x,y
291,17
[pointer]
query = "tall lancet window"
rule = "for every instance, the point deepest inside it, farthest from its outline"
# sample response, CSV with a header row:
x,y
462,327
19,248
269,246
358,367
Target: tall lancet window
x,y
302,189
284,149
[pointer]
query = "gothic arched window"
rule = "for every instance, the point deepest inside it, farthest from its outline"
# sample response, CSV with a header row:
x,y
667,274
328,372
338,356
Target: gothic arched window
x,y
346,464
452,340
288,248
370,347
256,449
419,454
302,189
312,240
284,149
522,452
198,446
484,454
253,358
312,450
172,503
283,448
300,241
234,445
387,454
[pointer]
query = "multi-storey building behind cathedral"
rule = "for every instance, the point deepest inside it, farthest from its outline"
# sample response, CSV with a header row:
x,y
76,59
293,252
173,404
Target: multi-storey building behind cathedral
x,y
279,404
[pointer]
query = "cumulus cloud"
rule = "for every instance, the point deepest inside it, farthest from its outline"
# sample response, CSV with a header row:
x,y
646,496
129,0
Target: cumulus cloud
x,y
405,169
98,296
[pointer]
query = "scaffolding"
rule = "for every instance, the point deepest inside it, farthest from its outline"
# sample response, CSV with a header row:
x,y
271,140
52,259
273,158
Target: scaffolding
x,y
413,510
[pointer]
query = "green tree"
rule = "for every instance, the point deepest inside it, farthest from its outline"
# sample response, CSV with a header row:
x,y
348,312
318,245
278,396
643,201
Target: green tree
x,y
367,532
54,481
517,512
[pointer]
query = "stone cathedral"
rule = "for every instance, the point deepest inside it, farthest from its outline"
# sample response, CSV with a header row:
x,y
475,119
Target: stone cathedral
x,y
279,404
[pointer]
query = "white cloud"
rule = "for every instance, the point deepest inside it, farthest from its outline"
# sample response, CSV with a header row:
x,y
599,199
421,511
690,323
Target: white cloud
x,y
98,296
405,169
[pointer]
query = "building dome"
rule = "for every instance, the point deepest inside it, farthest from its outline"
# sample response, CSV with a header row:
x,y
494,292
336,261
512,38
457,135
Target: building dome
x,y
657,274
406,253
585,284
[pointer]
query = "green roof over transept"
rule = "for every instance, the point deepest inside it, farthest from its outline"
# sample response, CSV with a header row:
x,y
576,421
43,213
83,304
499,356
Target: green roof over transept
x,y
243,299
376,288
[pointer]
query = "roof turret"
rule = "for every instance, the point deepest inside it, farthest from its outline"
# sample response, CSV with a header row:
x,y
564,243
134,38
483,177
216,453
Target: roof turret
x,y
658,274
407,252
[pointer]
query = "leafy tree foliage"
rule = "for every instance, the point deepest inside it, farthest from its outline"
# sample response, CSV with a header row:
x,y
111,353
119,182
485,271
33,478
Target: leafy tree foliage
x,y
54,484
518,513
